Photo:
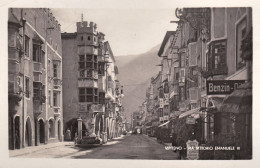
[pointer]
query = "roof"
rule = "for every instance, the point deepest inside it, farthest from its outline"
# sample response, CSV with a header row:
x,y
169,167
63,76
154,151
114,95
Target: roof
x,y
68,35
108,48
13,19
165,39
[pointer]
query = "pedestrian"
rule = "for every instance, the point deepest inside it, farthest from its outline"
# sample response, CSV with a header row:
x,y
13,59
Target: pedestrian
x,y
174,143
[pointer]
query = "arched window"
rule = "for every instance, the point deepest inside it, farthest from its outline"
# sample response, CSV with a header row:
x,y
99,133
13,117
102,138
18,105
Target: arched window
x,y
51,129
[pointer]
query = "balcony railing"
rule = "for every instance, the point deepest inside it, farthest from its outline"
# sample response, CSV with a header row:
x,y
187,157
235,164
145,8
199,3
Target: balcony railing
x,y
88,74
207,72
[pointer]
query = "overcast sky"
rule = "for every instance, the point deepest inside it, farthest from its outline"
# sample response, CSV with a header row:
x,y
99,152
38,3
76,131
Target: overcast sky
x,y
129,31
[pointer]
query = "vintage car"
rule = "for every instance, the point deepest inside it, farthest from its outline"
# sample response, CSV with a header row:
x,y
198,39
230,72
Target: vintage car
x,y
88,140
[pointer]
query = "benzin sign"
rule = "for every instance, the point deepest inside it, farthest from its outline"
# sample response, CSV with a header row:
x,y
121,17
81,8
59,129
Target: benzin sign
x,y
192,149
216,87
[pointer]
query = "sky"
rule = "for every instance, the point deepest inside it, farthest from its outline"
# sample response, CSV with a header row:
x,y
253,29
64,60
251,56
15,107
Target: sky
x,y
129,31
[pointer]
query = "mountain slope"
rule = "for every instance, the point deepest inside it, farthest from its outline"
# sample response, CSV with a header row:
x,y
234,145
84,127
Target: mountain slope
x,y
135,74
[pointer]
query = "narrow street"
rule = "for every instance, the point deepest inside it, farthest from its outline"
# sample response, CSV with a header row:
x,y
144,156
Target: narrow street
x,y
126,147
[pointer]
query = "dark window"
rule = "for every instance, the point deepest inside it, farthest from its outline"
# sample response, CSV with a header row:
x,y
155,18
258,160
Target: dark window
x,y
101,98
27,44
177,76
88,95
38,89
27,92
82,38
240,34
55,99
36,53
89,38
217,56
89,58
55,70
49,97
51,129
101,68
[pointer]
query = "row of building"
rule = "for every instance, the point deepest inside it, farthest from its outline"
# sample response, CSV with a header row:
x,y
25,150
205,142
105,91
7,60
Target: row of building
x,y
204,88
60,85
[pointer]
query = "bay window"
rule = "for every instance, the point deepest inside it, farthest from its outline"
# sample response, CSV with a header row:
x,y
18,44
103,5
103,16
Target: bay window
x,y
37,52
88,95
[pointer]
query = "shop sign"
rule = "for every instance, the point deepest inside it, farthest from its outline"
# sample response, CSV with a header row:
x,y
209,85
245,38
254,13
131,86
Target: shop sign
x,y
192,149
216,87
190,120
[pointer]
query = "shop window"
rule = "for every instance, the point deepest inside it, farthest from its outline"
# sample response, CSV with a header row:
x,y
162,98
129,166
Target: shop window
x,y
36,53
240,34
51,129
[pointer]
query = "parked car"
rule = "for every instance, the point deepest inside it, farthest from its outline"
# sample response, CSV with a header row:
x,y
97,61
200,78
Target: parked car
x,y
88,140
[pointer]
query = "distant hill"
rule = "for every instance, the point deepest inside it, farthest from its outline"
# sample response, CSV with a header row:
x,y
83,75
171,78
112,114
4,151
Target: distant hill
x,y
135,72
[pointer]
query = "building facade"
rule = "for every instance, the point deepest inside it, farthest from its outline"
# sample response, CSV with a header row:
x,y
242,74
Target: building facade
x,y
34,78
92,92
207,75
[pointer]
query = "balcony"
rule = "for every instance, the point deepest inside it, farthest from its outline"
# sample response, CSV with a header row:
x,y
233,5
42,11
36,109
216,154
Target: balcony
x,y
90,74
83,48
85,82
56,111
37,107
207,72
37,67
56,82
97,108
84,107
13,55
13,67
37,77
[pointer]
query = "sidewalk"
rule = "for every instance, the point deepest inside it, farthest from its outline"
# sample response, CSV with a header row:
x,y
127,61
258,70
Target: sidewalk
x,y
31,149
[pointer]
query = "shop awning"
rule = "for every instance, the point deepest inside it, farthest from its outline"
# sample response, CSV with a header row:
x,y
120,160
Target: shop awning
x,y
164,124
187,113
239,101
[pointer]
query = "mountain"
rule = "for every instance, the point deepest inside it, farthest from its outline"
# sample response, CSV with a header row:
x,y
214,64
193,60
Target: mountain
x,y
135,72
